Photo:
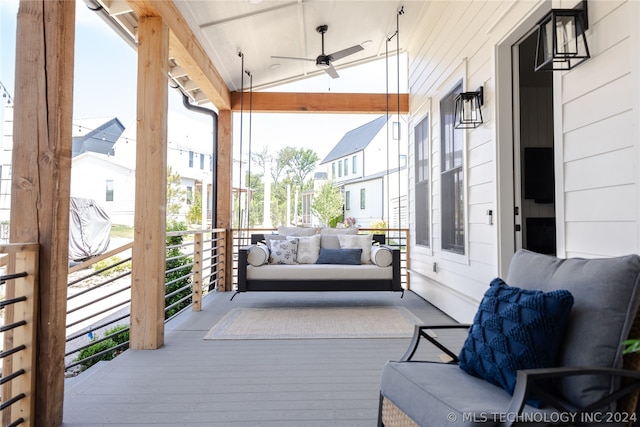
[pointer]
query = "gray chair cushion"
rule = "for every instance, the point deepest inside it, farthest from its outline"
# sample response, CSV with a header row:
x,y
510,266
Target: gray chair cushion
x,y
606,298
436,394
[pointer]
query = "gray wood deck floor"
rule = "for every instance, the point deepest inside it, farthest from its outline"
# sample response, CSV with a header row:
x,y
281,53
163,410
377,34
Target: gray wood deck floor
x,y
191,382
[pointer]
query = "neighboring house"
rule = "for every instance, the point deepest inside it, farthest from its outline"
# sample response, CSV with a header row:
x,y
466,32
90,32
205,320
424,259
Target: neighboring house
x,y
95,135
107,180
6,149
372,176
103,166
366,200
189,155
90,136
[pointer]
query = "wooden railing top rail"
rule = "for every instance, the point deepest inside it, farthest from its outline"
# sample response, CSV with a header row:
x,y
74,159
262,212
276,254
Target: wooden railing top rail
x,y
187,232
93,260
14,248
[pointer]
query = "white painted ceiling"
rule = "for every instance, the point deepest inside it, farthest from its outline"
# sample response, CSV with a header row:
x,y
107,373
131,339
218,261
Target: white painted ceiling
x,y
262,29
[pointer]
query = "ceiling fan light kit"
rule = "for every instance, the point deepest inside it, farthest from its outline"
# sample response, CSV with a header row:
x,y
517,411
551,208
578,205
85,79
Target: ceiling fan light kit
x,y
324,61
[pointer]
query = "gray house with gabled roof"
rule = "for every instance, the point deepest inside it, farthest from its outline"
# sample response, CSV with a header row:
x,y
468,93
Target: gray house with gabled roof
x,y
369,164
96,135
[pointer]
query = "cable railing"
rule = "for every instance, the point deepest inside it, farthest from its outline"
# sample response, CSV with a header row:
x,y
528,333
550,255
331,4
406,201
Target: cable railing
x,y
99,293
18,328
395,237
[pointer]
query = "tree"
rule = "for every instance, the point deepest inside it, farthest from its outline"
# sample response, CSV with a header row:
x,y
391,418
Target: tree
x,y
176,194
194,214
327,204
301,163
256,207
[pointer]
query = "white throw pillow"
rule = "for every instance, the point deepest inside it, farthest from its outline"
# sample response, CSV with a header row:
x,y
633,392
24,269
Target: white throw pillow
x,y
362,241
297,231
331,230
269,237
258,255
381,256
283,251
308,248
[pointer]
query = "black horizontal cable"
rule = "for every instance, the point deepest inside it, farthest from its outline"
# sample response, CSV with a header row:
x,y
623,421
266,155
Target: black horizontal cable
x,y
12,351
11,326
10,301
12,376
13,276
11,401
16,422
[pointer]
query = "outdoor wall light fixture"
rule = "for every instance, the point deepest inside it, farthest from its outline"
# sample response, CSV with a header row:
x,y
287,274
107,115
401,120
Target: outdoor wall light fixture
x,y
468,111
562,43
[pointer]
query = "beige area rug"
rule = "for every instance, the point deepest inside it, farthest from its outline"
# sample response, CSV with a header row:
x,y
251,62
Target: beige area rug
x,y
314,323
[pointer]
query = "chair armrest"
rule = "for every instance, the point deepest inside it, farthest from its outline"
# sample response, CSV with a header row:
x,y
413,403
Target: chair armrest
x,y
421,331
526,384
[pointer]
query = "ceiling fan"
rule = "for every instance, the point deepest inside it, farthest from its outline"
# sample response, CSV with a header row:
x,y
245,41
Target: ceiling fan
x,y
324,61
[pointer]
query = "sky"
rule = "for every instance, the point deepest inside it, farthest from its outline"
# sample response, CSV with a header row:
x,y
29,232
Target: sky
x,y
105,86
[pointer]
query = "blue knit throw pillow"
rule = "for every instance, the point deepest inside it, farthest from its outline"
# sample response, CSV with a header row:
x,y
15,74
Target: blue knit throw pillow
x,y
515,329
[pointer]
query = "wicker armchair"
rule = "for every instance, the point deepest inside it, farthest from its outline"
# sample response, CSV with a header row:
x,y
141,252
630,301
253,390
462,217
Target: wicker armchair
x,y
593,383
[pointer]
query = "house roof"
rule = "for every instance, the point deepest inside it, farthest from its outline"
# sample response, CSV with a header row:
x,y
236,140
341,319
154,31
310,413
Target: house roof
x,y
356,140
89,126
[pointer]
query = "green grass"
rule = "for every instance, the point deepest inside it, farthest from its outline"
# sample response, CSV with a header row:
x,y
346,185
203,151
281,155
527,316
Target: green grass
x,y
118,230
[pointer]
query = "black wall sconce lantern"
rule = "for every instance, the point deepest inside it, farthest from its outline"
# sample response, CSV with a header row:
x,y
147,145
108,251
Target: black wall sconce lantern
x,y
562,43
468,111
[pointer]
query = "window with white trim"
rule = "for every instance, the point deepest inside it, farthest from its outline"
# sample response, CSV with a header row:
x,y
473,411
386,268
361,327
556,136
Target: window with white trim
x,y
422,206
451,176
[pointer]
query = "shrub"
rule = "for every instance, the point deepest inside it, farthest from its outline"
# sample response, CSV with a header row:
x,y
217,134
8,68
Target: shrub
x,y
182,276
107,344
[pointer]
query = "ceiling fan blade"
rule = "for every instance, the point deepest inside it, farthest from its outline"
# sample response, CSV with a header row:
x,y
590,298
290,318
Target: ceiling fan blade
x,y
332,72
346,52
293,57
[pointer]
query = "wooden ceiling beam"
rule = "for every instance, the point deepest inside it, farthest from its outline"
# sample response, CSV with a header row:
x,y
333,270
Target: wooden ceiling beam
x,y
187,51
286,102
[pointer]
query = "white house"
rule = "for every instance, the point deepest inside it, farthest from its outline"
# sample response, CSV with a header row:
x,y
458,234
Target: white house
x,y
369,165
107,180
379,196
109,176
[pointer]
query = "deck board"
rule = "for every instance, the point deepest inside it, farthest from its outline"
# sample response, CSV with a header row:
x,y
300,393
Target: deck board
x,y
295,382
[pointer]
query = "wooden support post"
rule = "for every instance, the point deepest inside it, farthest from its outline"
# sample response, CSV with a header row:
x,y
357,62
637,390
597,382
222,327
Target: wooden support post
x,y
41,179
225,159
149,249
25,260
198,255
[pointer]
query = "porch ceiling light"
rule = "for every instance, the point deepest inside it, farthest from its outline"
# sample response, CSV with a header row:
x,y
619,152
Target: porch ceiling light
x,y
562,43
468,111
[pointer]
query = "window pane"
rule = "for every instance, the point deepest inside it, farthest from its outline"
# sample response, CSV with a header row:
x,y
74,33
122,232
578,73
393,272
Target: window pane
x,y
422,183
354,164
347,200
346,167
362,195
452,177
109,195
